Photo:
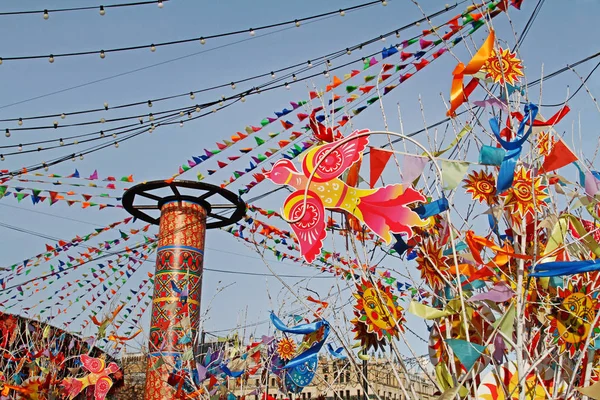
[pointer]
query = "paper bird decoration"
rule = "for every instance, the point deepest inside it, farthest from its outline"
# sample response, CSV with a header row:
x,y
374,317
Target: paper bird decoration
x,y
383,210
98,377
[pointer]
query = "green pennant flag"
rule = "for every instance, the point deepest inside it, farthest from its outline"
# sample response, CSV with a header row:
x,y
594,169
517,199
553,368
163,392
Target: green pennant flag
x,y
372,100
185,167
21,196
369,78
264,122
272,135
259,141
36,192
350,89
261,157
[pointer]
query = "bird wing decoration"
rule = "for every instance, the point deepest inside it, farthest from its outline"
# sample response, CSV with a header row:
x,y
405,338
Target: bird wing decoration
x,y
339,160
310,230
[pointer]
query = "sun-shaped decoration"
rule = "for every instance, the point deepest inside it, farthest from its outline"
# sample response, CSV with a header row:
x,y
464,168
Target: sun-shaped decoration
x,y
520,197
432,263
571,321
482,187
545,142
368,340
503,67
286,348
495,383
378,309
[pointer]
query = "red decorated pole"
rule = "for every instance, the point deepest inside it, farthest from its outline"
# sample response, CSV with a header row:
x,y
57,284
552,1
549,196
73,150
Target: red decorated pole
x,y
179,260
175,319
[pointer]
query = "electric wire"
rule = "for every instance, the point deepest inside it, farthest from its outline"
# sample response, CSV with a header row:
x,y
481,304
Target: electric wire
x,y
69,9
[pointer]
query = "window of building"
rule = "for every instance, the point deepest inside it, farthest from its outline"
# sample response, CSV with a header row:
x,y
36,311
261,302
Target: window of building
x,y
347,394
347,376
341,394
358,394
303,396
309,395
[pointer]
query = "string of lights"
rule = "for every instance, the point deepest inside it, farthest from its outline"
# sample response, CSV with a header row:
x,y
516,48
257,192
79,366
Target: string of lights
x,y
275,73
101,8
202,39
182,111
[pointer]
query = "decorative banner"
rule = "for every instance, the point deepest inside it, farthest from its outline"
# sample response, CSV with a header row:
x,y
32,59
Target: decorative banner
x,y
491,155
412,167
426,312
453,173
468,353
383,210
378,161
560,156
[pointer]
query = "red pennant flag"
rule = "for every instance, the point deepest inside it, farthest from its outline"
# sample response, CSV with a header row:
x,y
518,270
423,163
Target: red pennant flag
x,y
560,156
405,56
421,64
379,159
387,67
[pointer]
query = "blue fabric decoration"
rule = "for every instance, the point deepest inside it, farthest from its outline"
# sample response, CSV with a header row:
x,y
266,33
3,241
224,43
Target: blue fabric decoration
x,y
336,353
467,352
507,168
303,329
301,375
229,373
490,155
400,246
430,209
560,268
385,53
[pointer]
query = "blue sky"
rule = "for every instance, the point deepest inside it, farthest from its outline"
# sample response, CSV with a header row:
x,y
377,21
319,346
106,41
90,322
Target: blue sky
x,y
563,32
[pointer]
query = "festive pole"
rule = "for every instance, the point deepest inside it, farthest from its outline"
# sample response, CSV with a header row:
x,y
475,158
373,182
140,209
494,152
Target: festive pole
x,y
176,300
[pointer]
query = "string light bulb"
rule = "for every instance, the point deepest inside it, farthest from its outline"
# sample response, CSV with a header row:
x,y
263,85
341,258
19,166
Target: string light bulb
x,y
61,142
63,116
141,119
46,15
114,135
102,134
418,24
45,167
297,23
105,105
20,122
20,148
55,124
326,73
160,4
102,54
181,113
202,40
102,120
328,63
192,95
382,38
287,86
73,158
252,33
117,145
243,99
272,75
181,124
2,157
198,109
398,34
233,85
51,59
294,77
0,60
81,157
151,117
383,3
342,12
75,141
152,47
348,51
102,12
7,134
309,64
189,114
149,103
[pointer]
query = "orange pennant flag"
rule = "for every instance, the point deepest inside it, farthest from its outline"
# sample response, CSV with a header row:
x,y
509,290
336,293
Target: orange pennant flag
x,y
560,156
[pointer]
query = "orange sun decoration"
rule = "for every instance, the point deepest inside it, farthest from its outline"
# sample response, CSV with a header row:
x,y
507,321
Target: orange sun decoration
x,y
378,309
526,197
482,187
286,348
503,67
432,263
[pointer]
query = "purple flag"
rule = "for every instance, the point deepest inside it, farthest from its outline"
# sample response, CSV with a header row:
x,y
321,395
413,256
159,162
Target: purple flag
x,y
412,167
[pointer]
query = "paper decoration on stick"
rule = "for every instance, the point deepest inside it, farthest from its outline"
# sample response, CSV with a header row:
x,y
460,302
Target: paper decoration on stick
x,y
384,210
560,156
98,377
379,159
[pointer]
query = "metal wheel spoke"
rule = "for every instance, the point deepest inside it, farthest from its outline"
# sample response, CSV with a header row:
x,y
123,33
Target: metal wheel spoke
x,y
217,216
149,196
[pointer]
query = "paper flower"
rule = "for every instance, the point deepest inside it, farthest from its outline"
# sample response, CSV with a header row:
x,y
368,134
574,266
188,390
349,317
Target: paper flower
x,y
378,309
432,263
526,196
482,187
571,321
286,348
503,67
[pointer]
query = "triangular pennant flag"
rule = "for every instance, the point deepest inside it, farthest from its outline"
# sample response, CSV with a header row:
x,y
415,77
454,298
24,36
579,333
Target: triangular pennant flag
x,y
467,352
453,173
379,159
560,156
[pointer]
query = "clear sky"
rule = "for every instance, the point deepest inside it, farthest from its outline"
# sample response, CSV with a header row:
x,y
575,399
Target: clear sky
x,y
564,32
